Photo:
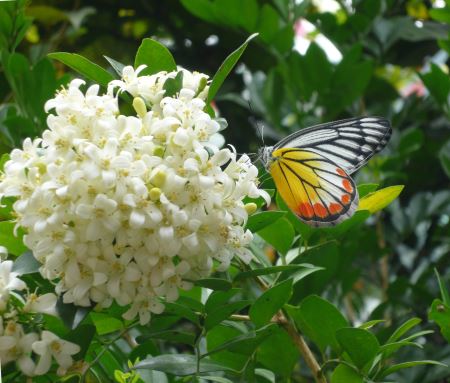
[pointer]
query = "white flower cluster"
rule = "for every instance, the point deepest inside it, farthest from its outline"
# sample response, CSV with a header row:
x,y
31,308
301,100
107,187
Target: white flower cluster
x,y
131,208
18,345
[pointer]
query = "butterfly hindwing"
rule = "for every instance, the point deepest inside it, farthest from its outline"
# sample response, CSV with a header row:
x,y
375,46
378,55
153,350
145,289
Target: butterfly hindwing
x,y
348,143
317,190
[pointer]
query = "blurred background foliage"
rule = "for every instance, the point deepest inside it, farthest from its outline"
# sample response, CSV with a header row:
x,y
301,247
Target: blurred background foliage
x,y
313,61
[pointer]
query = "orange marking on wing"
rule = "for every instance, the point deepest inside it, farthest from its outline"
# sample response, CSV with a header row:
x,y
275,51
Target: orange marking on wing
x,y
306,210
335,208
347,185
320,210
341,172
345,199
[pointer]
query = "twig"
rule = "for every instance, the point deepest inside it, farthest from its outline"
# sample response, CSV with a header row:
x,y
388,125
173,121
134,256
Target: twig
x,y
303,348
298,340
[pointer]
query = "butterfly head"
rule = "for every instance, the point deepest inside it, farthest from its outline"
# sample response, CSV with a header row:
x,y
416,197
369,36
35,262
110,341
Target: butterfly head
x,y
265,155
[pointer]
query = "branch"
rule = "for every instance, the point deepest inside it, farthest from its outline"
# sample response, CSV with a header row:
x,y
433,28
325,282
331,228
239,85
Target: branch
x,y
298,340
303,348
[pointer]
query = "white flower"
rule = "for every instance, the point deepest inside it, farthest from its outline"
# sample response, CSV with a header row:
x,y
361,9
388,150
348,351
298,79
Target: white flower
x,y
15,346
50,346
40,303
8,282
129,208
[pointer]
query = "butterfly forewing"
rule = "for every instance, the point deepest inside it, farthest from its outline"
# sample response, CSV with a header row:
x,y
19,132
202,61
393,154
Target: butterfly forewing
x,y
316,189
347,143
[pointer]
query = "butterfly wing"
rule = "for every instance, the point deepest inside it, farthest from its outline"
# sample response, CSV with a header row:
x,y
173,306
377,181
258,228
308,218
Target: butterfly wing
x,y
317,190
348,143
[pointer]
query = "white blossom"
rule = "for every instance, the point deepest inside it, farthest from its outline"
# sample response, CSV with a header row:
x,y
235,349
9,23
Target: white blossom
x,y
50,346
130,208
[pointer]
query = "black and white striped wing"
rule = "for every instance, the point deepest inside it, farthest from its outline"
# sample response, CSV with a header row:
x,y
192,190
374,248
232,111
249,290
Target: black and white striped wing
x,y
348,143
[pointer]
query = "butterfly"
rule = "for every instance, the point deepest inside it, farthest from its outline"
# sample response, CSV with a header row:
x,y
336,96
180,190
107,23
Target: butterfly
x,y
311,168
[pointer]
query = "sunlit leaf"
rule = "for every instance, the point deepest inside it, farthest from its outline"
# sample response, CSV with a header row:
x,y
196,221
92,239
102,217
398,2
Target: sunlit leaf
x,y
156,56
226,68
378,200
83,66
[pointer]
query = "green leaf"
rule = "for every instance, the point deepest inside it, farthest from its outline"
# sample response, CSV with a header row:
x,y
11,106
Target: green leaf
x,y
218,298
411,140
268,304
345,374
259,221
305,267
223,312
365,189
70,314
319,320
280,235
203,9
444,157
378,200
105,324
82,336
13,243
3,160
173,85
360,345
440,313
221,335
83,66
278,353
390,348
397,367
214,283
438,83
116,65
156,56
26,264
268,23
180,364
226,68
444,292
217,379
177,308
371,323
174,336
403,329
245,343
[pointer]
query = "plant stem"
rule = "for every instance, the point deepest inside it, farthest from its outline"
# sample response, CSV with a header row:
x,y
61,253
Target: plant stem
x,y
298,340
303,348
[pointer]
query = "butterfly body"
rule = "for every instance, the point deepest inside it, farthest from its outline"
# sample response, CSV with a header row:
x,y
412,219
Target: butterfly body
x,y
311,168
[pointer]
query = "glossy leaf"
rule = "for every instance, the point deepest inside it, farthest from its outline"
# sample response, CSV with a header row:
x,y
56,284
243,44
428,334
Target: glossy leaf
x,y
8,238
319,320
226,68
268,304
223,312
214,283
440,313
378,200
26,264
345,374
397,367
180,364
83,66
259,221
404,328
105,324
361,345
156,56
271,234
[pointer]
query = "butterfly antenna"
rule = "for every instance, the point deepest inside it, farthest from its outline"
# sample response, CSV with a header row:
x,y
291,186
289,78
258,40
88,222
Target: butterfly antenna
x,y
255,121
